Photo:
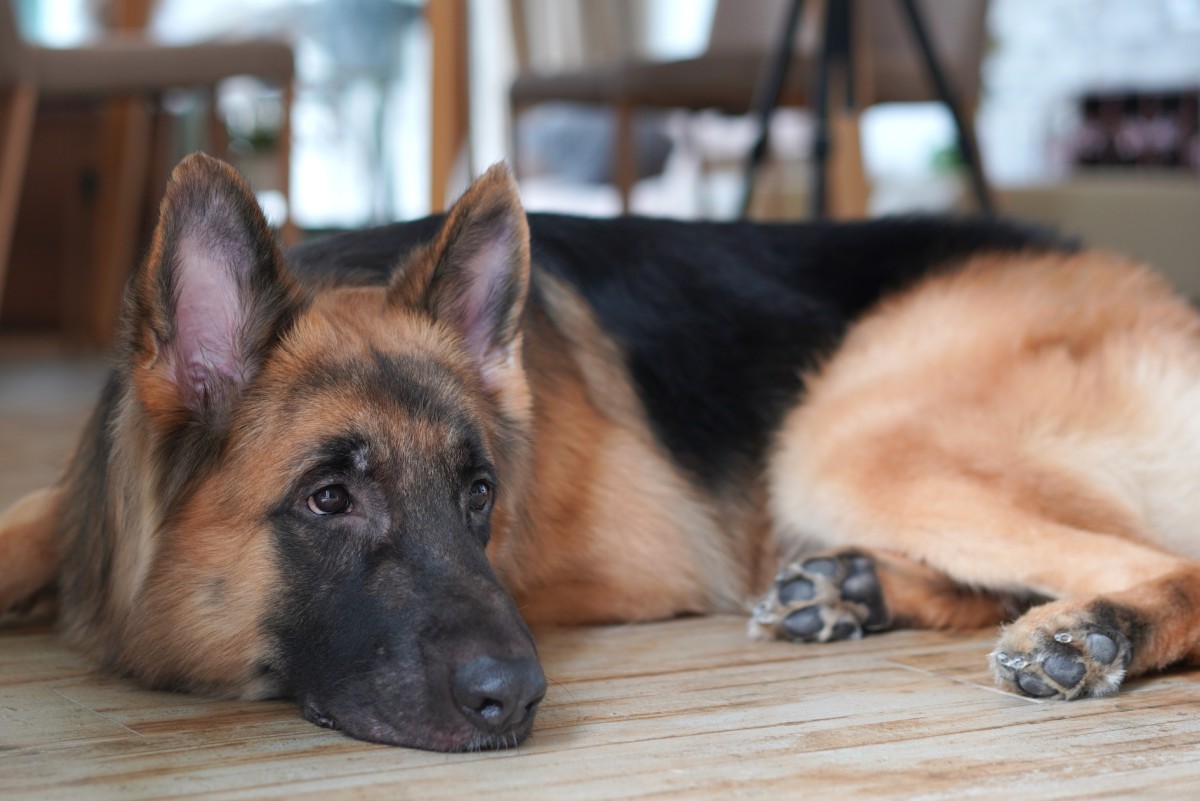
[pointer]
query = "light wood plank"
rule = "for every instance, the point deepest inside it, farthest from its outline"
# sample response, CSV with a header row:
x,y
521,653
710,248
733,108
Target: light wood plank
x,y
682,709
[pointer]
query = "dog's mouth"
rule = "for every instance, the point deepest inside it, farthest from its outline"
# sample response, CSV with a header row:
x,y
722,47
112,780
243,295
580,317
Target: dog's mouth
x,y
439,662
448,736
480,703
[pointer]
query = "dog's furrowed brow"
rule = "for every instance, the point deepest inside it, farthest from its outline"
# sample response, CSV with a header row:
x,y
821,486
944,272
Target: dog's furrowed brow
x,y
345,454
466,457
419,385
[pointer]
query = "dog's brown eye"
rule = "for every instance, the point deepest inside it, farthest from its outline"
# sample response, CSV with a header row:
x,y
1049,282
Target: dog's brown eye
x,y
480,494
331,500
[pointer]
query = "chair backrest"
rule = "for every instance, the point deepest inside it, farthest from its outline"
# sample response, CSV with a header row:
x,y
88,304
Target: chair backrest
x,y
742,27
12,48
564,35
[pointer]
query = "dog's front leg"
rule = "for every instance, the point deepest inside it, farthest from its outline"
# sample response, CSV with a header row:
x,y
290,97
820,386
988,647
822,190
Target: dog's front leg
x,y
843,593
1086,646
29,552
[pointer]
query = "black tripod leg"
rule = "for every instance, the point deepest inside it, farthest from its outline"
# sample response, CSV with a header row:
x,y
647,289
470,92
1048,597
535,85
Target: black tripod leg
x,y
835,44
966,135
766,99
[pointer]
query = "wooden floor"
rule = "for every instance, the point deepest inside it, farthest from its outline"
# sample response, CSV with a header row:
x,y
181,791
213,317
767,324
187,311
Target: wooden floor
x,y
684,709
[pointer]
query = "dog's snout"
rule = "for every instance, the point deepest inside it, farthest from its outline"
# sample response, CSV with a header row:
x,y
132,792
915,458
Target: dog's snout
x,y
498,695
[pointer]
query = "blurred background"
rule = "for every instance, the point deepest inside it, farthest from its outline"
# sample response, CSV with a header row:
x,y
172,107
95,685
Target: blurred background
x,y
347,113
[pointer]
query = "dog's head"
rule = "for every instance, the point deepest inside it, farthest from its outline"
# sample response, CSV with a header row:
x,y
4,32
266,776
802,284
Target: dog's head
x,y
324,472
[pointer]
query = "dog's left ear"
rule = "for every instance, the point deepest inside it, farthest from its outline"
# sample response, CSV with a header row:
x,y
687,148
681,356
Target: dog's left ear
x,y
475,276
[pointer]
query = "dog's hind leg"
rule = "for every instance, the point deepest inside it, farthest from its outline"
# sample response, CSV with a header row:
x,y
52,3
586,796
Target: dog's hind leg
x,y
843,593
29,552
1082,645
1126,606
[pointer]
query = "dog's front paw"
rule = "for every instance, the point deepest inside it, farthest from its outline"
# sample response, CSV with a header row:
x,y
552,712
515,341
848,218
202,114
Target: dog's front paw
x,y
821,599
1060,651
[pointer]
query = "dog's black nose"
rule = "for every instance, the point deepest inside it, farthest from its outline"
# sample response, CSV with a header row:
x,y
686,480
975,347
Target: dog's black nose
x,y
499,694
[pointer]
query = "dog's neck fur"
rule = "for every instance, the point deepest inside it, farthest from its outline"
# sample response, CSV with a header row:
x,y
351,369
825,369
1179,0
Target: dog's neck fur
x,y
586,420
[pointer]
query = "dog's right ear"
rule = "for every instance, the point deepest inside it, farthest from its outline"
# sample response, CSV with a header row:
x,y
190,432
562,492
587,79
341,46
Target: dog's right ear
x,y
474,276
210,299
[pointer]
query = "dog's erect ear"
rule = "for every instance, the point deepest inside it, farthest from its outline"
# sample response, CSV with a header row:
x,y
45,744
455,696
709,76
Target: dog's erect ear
x,y
211,296
475,275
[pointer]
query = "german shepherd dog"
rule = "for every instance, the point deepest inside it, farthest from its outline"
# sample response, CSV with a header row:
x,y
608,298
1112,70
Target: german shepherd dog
x,y
353,475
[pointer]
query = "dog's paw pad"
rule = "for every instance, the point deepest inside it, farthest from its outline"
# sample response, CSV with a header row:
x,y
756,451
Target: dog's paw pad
x,y
821,624
805,624
1061,662
1065,671
1032,685
822,566
798,589
822,599
1103,649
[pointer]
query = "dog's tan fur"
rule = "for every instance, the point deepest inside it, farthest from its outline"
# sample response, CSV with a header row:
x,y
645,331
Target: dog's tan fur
x,y
1019,428
612,510
28,548
1020,425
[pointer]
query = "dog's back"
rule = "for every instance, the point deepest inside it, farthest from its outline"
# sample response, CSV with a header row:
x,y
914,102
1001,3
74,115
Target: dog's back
x,y
717,322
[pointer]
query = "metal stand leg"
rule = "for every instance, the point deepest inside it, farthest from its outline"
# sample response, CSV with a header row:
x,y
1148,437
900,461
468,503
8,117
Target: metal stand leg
x,y
767,99
835,48
966,135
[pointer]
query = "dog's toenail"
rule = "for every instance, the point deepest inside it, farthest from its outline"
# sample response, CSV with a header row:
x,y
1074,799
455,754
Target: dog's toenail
x,y
1063,636
805,623
1064,670
1103,649
1002,658
1017,662
800,589
1034,686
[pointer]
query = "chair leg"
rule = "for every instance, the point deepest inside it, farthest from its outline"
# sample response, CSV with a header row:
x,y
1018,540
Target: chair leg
x,y
159,164
18,105
848,191
218,134
514,140
126,143
624,171
290,232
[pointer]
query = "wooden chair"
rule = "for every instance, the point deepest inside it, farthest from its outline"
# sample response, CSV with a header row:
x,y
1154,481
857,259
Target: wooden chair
x,y
726,76
124,71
